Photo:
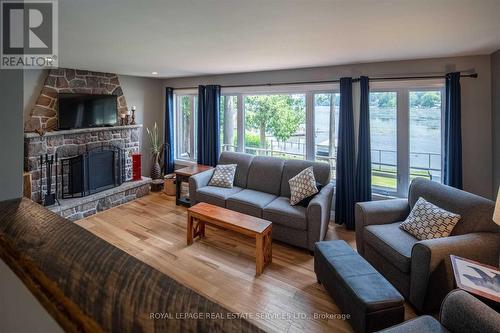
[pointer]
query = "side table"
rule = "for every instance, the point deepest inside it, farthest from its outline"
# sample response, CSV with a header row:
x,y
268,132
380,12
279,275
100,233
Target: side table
x,y
182,175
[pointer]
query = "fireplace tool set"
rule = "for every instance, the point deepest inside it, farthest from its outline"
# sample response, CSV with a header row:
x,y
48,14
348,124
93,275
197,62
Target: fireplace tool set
x,y
48,198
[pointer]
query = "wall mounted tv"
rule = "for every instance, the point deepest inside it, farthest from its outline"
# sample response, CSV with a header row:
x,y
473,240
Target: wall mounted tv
x,y
85,110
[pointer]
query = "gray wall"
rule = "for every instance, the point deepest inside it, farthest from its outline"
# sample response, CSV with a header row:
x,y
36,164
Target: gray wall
x,y
476,101
19,310
495,79
11,134
144,93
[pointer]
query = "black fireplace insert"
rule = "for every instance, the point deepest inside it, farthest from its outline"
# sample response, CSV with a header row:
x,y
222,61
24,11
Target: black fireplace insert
x,y
94,171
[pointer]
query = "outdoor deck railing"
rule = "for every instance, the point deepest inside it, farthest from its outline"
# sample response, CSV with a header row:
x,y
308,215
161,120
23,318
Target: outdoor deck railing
x,y
381,166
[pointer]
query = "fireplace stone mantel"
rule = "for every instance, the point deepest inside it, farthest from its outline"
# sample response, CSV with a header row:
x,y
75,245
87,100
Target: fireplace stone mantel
x,y
29,135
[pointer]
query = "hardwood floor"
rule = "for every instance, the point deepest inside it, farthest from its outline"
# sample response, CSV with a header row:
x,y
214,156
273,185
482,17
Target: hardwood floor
x,y
285,298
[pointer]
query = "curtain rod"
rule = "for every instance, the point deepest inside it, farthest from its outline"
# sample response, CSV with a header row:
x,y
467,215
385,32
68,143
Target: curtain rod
x,y
393,78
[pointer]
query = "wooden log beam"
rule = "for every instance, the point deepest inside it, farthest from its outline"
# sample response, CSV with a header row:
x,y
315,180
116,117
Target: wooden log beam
x,y
88,285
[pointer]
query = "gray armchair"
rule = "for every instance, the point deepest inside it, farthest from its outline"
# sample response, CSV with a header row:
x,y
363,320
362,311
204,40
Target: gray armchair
x,y
460,313
421,270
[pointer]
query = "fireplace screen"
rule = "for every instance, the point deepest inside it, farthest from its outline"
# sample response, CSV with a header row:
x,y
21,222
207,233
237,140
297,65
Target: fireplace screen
x,y
96,170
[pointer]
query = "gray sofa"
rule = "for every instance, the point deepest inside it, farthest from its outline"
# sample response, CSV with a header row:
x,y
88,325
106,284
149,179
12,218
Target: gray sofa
x,y
261,189
460,313
421,270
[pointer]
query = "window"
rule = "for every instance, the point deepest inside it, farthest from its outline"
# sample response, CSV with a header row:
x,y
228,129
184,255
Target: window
x,y
383,140
425,134
406,135
186,106
275,125
302,122
228,123
326,127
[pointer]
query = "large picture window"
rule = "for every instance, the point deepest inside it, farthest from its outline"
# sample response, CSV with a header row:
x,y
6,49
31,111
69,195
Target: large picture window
x,y
275,125
302,122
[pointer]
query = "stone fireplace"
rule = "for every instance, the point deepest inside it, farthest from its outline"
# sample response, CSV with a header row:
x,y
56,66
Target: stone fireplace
x,y
102,191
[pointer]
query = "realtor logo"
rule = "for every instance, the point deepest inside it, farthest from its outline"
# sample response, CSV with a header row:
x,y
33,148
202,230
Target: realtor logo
x,y
29,34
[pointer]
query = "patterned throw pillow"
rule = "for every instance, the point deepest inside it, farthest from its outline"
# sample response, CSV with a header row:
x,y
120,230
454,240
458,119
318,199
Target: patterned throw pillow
x,y
428,221
223,176
302,186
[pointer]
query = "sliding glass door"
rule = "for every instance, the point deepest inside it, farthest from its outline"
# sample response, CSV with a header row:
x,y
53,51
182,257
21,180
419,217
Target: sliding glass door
x,y
406,135
426,134
384,142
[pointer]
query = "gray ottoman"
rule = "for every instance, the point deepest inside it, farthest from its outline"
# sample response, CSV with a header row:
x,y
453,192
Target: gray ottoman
x,y
357,288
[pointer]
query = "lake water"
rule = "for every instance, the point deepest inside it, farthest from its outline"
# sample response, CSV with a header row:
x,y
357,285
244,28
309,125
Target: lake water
x,y
425,134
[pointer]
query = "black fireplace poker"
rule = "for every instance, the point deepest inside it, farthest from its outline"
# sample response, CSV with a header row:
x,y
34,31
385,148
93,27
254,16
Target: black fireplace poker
x,y
49,198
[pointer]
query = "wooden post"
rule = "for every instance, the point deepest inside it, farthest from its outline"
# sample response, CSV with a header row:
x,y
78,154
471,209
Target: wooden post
x,y
189,229
268,247
259,254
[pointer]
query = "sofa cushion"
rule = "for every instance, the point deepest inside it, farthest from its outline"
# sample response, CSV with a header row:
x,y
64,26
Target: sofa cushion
x,y
249,202
216,195
476,211
392,243
281,212
242,161
292,168
265,174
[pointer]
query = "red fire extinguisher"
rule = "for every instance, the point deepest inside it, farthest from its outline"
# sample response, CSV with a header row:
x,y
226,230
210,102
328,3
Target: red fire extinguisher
x,y
136,166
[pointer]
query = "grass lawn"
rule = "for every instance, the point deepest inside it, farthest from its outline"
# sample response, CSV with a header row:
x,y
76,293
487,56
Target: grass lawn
x,y
385,177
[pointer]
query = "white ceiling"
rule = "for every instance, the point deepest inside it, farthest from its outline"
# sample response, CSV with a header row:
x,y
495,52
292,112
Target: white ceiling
x,y
197,37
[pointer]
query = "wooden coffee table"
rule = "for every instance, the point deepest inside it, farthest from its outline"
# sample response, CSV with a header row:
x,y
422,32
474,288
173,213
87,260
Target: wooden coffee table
x,y
204,213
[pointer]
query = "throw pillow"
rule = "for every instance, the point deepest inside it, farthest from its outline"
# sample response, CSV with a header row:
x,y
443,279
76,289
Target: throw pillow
x,y
305,202
428,221
223,176
302,186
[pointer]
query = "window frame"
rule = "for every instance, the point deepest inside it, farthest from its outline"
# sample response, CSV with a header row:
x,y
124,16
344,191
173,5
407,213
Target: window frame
x,y
403,89
193,94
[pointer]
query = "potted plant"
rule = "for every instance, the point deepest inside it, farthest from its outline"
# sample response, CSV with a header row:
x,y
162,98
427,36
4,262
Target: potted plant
x,y
156,149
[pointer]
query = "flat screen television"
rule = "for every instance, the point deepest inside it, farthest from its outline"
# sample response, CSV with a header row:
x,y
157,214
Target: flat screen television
x,y
85,110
